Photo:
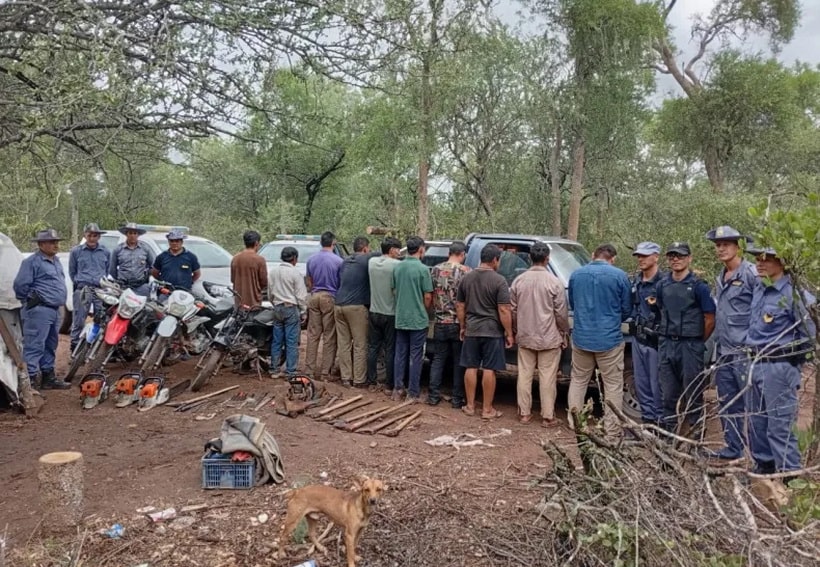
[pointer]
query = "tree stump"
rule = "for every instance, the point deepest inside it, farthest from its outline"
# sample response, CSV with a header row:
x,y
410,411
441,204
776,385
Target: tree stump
x,y
61,489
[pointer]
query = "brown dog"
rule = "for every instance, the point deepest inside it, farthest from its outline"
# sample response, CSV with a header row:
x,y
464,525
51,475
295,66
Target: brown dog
x,y
349,510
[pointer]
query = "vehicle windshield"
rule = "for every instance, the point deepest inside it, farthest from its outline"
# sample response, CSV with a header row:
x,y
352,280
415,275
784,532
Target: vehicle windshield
x,y
110,241
209,254
565,258
272,251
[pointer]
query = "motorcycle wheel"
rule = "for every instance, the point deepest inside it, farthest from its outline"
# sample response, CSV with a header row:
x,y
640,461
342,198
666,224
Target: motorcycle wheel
x,y
154,357
77,363
102,353
213,363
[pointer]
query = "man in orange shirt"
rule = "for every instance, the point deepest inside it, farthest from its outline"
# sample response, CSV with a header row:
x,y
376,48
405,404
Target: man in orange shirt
x,y
249,272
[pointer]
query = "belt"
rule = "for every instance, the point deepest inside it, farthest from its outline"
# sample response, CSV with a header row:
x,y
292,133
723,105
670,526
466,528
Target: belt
x,y
679,338
133,283
284,304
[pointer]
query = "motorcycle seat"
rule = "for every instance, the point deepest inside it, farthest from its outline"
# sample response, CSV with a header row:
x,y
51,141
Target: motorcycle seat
x,y
264,317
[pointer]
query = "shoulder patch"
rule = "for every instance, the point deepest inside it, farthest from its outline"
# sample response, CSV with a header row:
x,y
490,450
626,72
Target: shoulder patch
x,y
737,283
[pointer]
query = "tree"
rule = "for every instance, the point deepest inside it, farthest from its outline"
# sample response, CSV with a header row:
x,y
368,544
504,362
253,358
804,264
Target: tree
x,y
728,18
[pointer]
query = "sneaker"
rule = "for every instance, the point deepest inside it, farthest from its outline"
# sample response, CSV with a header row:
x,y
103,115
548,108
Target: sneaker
x,y
396,395
347,383
413,400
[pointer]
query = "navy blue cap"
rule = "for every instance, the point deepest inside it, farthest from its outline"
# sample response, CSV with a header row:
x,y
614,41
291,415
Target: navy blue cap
x,y
647,249
176,234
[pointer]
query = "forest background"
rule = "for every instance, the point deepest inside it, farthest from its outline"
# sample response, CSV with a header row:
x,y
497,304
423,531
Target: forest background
x,y
590,119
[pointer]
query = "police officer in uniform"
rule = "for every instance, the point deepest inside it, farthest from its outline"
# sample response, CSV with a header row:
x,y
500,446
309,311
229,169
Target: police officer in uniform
x,y
733,292
780,340
131,261
687,320
87,264
177,266
646,315
40,287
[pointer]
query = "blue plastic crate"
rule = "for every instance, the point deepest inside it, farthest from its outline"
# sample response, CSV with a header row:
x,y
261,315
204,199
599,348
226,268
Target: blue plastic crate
x,y
219,472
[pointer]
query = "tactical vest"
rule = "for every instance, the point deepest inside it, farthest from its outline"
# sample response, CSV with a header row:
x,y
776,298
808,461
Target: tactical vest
x,y
681,316
651,288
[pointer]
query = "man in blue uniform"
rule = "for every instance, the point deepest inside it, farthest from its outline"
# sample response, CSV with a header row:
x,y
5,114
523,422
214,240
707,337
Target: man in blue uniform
x,y
647,318
131,261
733,293
87,264
40,287
687,320
780,340
177,266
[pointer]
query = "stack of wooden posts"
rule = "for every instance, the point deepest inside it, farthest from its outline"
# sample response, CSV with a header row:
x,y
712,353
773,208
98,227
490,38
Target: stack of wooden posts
x,y
388,419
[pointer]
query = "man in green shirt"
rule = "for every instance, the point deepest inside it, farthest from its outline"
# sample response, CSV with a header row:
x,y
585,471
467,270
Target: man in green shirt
x,y
413,288
381,333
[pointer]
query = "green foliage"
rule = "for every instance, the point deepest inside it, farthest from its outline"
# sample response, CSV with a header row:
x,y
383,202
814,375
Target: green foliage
x,y
804,502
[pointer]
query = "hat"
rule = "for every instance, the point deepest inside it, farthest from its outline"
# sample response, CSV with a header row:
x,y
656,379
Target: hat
x,y
176,234
47,235
93,227
131,226
754,250
647,249
681,248
726,233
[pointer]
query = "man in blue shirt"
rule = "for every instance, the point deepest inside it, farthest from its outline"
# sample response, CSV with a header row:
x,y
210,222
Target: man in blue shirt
x,y
40,287
733,294
177,266
687,320
87,264
780,340
600,297
131,262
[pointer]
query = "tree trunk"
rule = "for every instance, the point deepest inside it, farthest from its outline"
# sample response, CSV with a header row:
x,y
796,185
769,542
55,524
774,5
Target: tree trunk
x,y
576,188
555,182
714,169
61,489
603,206
423,204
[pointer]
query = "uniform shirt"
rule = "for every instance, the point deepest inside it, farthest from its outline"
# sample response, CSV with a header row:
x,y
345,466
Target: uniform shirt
x,y
131,264
323,271
380,274
446,277
539,306
249,276
734,301
44,276
86,266
482,291
601,299
646,299
286,285
354,283
411,280
773,311
177,270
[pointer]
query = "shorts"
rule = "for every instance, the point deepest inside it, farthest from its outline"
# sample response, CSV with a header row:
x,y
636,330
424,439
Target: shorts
x,y
483,352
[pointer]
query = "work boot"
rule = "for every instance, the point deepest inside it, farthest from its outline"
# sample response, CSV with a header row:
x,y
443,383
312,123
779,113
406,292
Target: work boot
x,y
51,382
36,381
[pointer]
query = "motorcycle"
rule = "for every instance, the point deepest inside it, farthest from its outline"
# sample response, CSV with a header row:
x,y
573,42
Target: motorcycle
x,y
245,336
108,293
129,329
186,327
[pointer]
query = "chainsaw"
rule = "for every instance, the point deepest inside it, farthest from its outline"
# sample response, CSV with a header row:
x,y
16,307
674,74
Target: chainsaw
x,y
152,393
127,389
94,389
301,388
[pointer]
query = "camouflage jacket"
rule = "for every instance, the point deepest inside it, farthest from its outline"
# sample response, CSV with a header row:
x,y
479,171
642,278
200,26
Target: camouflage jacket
x,y
446,277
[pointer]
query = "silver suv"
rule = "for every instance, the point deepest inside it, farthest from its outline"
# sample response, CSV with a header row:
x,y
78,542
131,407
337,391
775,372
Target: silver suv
x,y
306,244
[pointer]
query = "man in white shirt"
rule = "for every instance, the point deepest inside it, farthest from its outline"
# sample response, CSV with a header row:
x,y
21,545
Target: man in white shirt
x,y
287,292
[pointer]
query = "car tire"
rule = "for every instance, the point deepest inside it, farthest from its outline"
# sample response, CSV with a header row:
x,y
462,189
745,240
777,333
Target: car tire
x,y
631,407
65,321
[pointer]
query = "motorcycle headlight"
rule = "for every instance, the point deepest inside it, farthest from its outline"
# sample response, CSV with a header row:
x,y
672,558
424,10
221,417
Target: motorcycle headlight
x,y
129,304
110,300
177,310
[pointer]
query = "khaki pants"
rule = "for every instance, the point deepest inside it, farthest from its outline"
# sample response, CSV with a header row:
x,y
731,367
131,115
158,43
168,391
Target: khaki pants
x,y
547,363
321,326
611,365
351,336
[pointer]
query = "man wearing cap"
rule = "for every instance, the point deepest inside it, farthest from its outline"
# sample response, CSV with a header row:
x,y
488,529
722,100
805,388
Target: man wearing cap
x,y
646,315
40,287
131,261
88,262
687,320
177,266
780,340
287,292
733,293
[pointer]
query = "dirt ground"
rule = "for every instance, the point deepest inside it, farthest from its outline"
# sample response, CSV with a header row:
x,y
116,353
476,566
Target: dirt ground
x,y
439,502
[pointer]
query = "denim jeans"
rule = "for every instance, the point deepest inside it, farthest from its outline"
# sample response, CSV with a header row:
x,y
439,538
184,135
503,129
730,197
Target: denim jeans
x,y
409,352
286,328
446,344
381,334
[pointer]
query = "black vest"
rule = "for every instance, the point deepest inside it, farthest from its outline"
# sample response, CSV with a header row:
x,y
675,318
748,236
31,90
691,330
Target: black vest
x,y
681,315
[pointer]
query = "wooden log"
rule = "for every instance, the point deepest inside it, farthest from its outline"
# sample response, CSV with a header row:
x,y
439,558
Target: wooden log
x,y
382,424
61,489
379,230
200,398
396,430
353,426
340,412
340,405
